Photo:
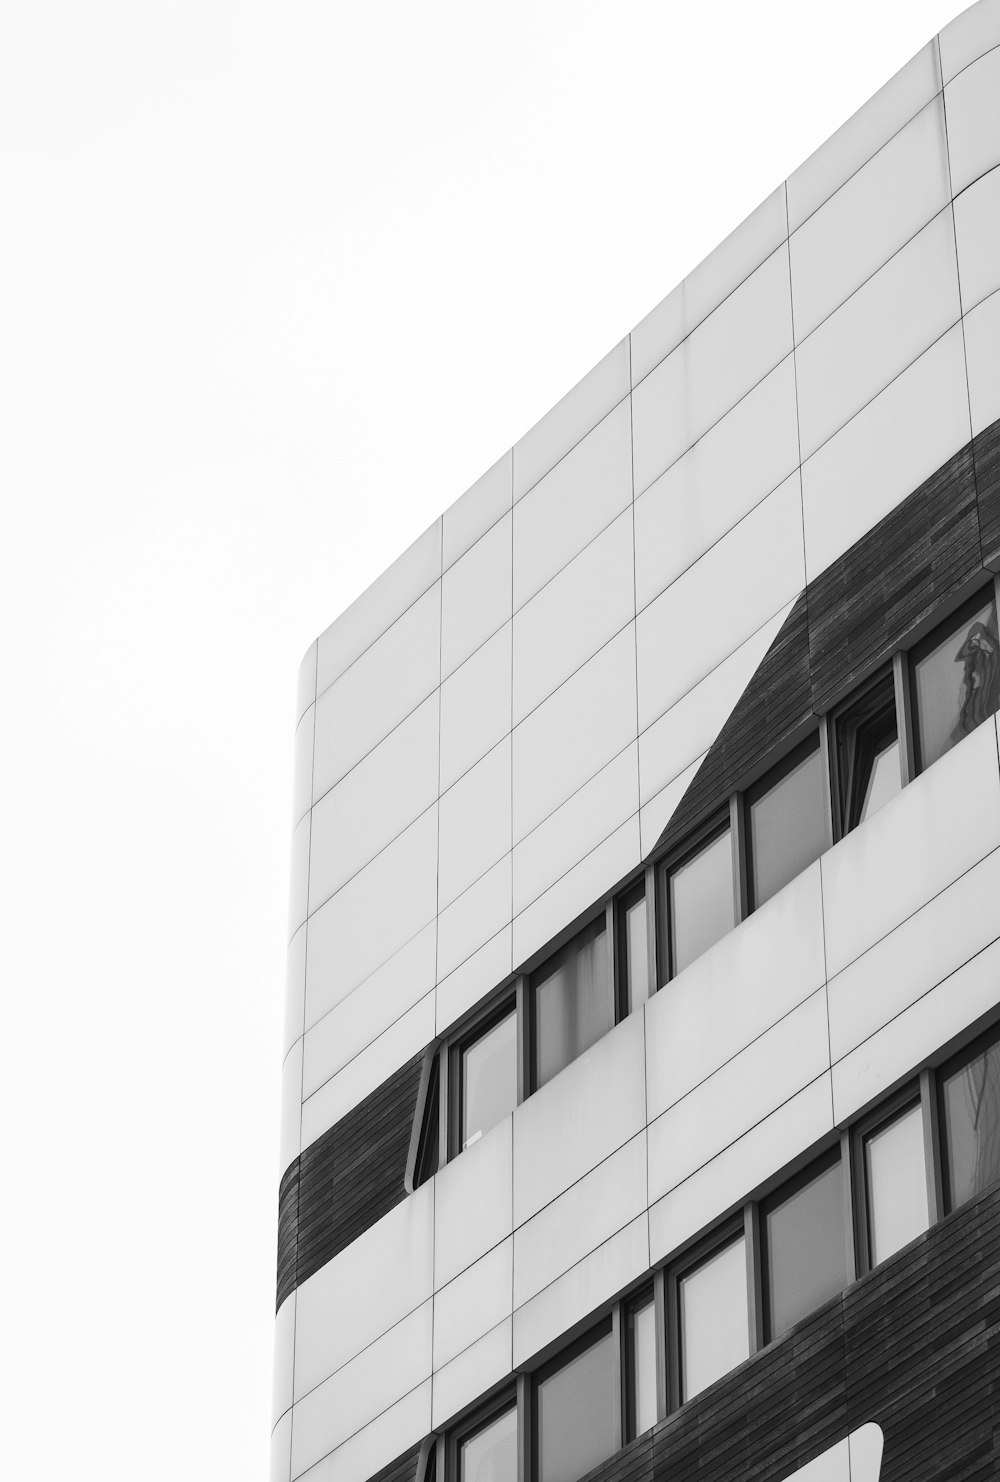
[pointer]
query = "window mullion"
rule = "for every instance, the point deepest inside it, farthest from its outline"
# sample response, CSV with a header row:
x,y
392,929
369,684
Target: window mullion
x,y
830,800
652,918
525,1440
661,1320
932,1145
522,1010
737,834
851,1232
618,1380
904,717
755,1276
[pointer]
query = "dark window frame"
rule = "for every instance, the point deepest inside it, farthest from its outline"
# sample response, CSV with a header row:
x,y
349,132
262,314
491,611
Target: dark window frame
x,y
844,797
987,591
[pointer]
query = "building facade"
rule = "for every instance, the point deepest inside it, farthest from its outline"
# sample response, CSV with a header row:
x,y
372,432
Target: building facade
x,y
642,1060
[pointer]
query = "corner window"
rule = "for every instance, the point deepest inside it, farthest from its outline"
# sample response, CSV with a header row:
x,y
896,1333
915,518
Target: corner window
x,y
700,902
970,1113
805,1245
577,1410
487,1078
572,1002
714,1318
895,1184
866,745
641,1406
488,1453
786,821
956,679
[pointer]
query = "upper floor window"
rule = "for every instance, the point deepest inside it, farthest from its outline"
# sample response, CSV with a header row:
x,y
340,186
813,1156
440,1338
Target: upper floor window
x,y
956,678
786,821
633,949
485,1069
488,1453
805,1245
572,1001
866,759
699,900
970,1110
577,1409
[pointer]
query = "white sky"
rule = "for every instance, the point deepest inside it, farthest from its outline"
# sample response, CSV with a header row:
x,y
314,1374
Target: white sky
x,y
277,283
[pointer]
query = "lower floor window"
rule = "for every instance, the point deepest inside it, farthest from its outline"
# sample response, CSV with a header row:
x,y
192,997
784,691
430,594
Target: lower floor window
x,y
970,1104
714,1327
577,1418
805,1246
489,1453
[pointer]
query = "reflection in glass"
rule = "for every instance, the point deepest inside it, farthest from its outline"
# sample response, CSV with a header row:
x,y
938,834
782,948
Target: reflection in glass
x,y
956,684
640,1334
805,1249
971,1102
636,955
576,1413
573,1004
490,1454
701,902
489,1078
787,826
896,1185
715,1333
867,753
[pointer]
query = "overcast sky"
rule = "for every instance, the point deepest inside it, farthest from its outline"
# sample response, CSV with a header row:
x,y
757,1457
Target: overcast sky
x,y
277,283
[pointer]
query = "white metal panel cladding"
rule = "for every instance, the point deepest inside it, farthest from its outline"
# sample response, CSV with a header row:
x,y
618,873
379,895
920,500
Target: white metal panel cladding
x,y
680,456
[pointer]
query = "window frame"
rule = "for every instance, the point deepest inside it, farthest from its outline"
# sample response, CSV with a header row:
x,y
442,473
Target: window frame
x,y
487,1017
815,740
710,1244
914,1093
786,1189
717,823
841,804
509,1397
984,1040
612,1322
931,639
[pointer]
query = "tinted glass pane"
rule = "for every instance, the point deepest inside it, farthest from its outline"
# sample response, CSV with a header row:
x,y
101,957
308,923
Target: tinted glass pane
x,y
491,1454
971,1098
641,1367
787,827
715,1335
701,902
896,1185
489,1079
636,956
957,684
806,1252
883,781
576,1414
573,1002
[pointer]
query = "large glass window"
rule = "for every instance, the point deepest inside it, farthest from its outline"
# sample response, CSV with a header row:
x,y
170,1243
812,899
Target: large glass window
x,y
970,1106
714,1323
572,1002
700,904
633,949
488,1078
489,1453
805,1246
640,1365
895,1184
956,679
867,753
787,821
577,1415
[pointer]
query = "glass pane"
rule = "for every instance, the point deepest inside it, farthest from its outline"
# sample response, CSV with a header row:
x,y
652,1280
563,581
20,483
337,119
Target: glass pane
x,y
641,1367
636,956
957,684
897,1185
701,902
787,827
883,781
489,1079
573,1002
576,1414
971,1099
715,1334
806,1253
491,1454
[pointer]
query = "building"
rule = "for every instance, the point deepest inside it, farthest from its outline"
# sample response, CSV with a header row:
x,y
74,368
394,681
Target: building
x,y
694,690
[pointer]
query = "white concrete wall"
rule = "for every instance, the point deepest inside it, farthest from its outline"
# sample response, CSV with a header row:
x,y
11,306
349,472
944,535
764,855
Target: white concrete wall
x,y
497,731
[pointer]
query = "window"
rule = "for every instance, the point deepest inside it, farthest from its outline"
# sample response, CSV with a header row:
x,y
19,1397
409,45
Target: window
x,y
700,901
577,1410
572,1002
970,1114
425,1144
488,1453
787,827
805,1245
956,679
896,1209
867,761
713,1318
486,1066
641,1404
633,949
